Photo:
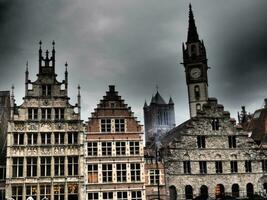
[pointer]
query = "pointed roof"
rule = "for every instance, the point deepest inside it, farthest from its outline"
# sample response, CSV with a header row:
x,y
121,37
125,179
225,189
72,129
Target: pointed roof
x,y
158,99
171,101
145,105
192,35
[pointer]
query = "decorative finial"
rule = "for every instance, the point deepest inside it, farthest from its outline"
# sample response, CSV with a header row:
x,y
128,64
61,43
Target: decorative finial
x,y
79,87
12,90
47,52
66,64
53,43
157,88
27,64
40,43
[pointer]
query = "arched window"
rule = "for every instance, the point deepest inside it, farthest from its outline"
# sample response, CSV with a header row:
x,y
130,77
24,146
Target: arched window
x,y
197,91
235,190
198,106
188,192
250,190
173,192
193,51
204,191
219,191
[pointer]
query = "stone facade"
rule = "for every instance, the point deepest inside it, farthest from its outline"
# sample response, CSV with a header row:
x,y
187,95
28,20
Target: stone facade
x,y
45,139
114,158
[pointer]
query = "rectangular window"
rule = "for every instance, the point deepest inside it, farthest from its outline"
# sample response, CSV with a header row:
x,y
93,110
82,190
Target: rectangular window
x,y
135,172
31,191
105,125
234,168
154,176
107,173
121,172
73,138
201,141
2,172
93,196
218,167
93,173
248,167
59,192
59,166
122,196
45,192
59,138
17,192
215,123
59,113
120,148
46,90
202,167
107,195
17,167
73,166
31,167
119,125
18,138
92,148
33,113
46,113
232,141
264,165
134,148
136,195
187,167
45,166
106,148
46,138
32,138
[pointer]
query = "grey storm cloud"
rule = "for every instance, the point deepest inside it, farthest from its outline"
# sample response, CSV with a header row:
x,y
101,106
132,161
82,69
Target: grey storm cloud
x,y
136,45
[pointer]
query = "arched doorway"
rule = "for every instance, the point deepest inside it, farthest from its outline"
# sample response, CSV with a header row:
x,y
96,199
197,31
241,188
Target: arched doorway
x,y
235,190
173,192
250,190
219,191
188,192
204,191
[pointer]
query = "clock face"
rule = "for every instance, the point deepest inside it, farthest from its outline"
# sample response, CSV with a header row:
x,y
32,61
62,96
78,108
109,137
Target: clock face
x,y
195,73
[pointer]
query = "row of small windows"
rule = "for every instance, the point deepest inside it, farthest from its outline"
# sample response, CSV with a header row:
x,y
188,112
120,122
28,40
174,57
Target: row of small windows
x,y
201,141
106,125
45,138
107,173
219,166
121,195
106,148
45,166
46,113
45,191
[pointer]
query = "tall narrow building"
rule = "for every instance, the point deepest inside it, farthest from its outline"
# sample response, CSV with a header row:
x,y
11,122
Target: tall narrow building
x,y
114,152
196,68
45,139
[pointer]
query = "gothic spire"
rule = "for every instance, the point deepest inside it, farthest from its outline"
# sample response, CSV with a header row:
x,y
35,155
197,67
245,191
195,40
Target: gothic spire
x,y
192,35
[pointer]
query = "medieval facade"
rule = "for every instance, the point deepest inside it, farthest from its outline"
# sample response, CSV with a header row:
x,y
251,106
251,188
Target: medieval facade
x,y
45,139
114,159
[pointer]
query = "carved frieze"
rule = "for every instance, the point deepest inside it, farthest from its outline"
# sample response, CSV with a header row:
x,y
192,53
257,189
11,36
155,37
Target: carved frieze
x,y
32,127
19,127
46,126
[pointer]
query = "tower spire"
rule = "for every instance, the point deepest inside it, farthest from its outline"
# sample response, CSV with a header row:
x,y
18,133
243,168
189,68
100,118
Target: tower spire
x,y
192,35
79,101
26,79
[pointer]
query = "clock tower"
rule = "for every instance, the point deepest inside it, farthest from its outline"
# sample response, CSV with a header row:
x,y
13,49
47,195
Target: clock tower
x,y
195,63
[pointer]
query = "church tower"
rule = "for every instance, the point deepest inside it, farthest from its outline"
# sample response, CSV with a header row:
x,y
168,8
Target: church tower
x,y
195,63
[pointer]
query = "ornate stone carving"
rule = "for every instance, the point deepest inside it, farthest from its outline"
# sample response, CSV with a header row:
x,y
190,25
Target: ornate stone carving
x,y
19,127
32,127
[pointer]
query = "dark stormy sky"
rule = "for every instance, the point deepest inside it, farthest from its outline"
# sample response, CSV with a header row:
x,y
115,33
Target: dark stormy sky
x,y
136,45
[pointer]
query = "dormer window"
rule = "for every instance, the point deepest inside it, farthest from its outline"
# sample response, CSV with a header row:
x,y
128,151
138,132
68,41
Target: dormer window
x,y
46,90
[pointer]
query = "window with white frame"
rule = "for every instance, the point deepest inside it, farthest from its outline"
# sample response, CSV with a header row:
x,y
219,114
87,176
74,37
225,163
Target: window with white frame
x,y
73,138
105,125
107,195
92,173
73,166
46,113
45,166
59,113
59,138
59,166
120,148
31,167
154,176
93,196
136,195
122,196
92,148
18,138
45,192
134,148
17,192
46,138
32,138
106,173
17,167
59,192
106,148
121,172
119,125
135,172
33,113
31,191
